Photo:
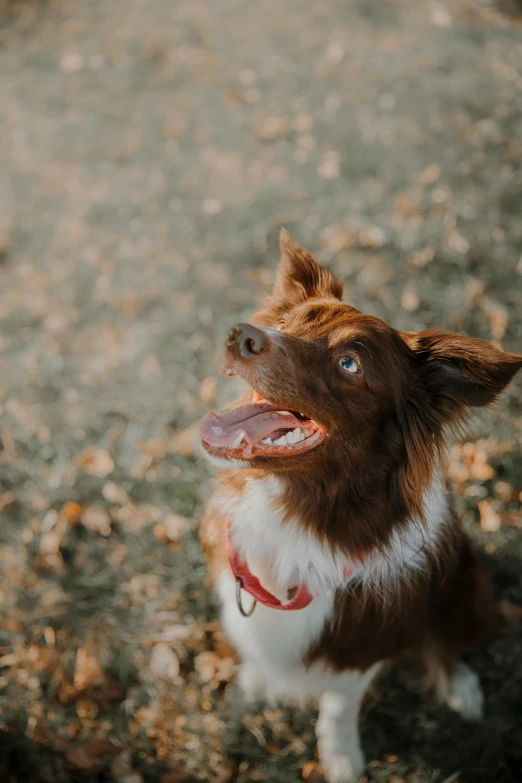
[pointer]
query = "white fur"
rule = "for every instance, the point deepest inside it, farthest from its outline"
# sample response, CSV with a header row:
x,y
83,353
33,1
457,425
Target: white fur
x,y
272,643
405,553
273,639
337,728
461,691
257,528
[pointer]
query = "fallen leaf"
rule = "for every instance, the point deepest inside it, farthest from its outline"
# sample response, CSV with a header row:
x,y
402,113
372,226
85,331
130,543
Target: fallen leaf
x,y
498,318
175,777
9,660
141,465
271,127
329,166
490,521
207,389
71,62
92,757
511,613
212,206
50,543
457,242
172,528
504,491
372,236
440,16
475,459
156,449
303,122
185,441
430,174
211,668
409,300
87,671
114,494
9,452
41,659
479,468
13,625
150,369
72,512
97,462
473,292
336,238
312,772
6,500
164,663
122,771
423,257
6,229
96,519
49,636
137,516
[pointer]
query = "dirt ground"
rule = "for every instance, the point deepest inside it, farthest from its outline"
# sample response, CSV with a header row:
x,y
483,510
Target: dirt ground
x,y
150,151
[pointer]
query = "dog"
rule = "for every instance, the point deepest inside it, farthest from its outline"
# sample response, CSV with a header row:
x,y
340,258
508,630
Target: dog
x,y
329,536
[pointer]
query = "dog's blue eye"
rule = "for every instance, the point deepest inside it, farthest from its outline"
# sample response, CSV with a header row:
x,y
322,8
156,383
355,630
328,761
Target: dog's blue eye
x,y
349,364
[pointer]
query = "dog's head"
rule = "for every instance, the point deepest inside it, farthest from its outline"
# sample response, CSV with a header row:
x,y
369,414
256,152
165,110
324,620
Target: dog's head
x,y
332,387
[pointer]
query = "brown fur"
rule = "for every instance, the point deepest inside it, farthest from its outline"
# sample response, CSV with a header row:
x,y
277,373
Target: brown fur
x,y
386,431
442,615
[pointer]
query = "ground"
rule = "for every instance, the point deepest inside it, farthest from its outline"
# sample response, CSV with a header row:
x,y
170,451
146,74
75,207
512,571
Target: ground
x,y
150,153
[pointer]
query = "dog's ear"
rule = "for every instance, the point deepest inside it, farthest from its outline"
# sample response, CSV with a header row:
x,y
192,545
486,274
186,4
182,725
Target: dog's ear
x,y
451,374
459,372
300,276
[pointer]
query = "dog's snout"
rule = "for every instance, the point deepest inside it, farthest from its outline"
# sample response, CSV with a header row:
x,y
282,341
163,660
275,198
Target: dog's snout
x,y
247,341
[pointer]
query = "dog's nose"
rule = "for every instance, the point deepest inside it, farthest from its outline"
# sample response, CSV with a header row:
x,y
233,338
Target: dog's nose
x,y
246,341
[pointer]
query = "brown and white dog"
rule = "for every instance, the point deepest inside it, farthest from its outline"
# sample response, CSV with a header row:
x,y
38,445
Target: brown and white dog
x,y
331,510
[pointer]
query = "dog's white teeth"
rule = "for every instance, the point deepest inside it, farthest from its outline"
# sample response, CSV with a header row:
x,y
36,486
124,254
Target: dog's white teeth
x,y
282,441
237,441
267,441
295,436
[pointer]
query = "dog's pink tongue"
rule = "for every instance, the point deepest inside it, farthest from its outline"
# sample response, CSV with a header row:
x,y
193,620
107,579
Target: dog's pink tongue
x,y
255,421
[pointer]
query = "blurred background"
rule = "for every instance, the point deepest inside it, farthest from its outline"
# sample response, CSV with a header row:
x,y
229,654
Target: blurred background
x,y
151,149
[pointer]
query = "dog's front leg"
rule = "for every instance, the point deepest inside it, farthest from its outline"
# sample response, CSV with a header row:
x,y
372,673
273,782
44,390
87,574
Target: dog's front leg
x,y
252,682
337,728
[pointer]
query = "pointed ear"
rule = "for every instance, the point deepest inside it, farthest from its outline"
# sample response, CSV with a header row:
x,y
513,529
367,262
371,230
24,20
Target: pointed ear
x,y
451,373
460,372
300,276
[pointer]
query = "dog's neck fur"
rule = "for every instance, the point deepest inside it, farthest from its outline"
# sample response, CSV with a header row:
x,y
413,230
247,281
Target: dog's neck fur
x,y
297,540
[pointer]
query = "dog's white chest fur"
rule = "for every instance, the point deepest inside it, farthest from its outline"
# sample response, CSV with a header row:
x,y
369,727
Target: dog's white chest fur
x,y
273,643
276,639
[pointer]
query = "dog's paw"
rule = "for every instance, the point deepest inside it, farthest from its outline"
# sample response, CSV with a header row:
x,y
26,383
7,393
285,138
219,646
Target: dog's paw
x,y
464,693
461,692
342,768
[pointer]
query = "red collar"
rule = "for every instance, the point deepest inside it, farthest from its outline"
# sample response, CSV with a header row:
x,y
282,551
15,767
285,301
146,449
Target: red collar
x,y
245,580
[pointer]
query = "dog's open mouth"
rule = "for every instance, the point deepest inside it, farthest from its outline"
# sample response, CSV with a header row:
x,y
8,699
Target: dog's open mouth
x,y
260,429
